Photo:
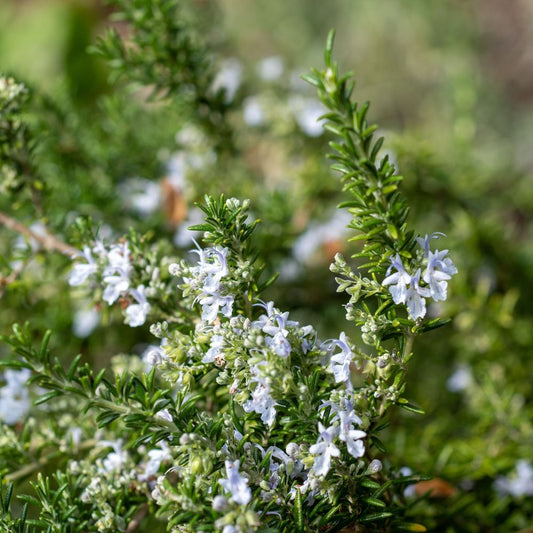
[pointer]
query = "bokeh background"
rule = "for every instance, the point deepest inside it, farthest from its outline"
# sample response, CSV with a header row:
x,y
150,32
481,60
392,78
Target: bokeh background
x,y
451,86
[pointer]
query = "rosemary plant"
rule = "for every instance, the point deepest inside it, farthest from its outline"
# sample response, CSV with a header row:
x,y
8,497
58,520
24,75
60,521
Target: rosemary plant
x,y
238,418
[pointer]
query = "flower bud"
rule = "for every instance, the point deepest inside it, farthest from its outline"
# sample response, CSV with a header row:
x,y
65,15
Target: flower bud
x,y
219,503
375,466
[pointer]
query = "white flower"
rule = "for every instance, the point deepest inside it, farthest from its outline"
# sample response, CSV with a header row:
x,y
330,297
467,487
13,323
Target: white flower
x,y
14,396
117,273
81,271
136,313
275,324
460,379
280,344
307,112
155,458
115,286
375,466
114,460
164,414
409,491
236,484
324,449
270,68
154,355
212,267
228,78
141,195
252,112
517,485
219,503
84,323
119,260
405,288
217,342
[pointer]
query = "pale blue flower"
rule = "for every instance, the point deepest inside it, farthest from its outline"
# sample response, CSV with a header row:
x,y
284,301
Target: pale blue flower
x,y
212,267
340,362
261,401
352,437
275,324
425,241
461,379
405,289
280,344
398,281
414,295
215,303
84,322
324,449
236,484
439,270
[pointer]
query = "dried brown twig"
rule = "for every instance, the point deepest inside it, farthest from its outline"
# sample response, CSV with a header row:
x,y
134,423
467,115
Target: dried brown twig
x,y
47,241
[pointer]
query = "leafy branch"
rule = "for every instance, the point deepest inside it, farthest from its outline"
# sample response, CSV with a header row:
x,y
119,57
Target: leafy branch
x,y
134,400
379,210
164,48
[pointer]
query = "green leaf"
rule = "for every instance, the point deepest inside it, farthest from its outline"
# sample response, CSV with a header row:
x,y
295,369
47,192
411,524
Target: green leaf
x,y
370,484
298,511
73,367
329,47
374,502
409,526
48,396
44,346
374,517
378,444
202,227
104,419
312,80
411,407
433,324
329,515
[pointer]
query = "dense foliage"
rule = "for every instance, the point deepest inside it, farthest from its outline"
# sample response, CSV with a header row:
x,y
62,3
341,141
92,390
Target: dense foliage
x,y
197,339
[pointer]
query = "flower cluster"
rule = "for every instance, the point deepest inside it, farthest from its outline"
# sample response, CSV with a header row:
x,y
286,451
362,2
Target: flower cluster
x,y
413,289
10,90
116,270
206,280
256,359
